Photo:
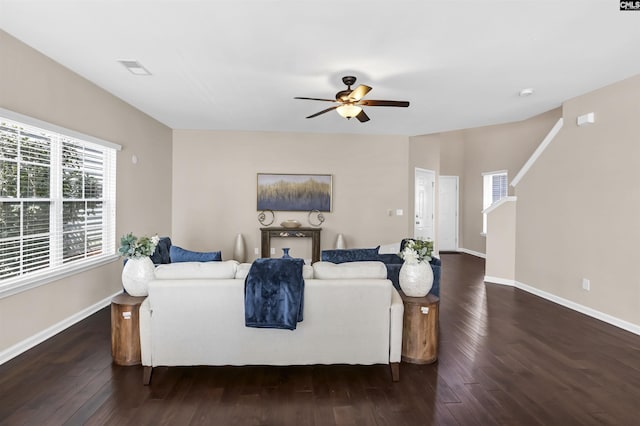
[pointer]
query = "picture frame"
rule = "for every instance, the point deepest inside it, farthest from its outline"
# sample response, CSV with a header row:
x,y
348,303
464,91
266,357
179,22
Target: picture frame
x,y
294,192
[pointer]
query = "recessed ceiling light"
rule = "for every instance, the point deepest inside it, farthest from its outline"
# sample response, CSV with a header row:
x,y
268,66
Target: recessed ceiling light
x,y
526,92
135,67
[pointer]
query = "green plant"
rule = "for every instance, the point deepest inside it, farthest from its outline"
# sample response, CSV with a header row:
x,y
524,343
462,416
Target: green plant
x,y
417,250
133,247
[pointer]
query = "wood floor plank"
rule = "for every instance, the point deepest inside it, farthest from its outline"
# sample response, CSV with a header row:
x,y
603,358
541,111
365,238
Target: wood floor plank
x,y
506,357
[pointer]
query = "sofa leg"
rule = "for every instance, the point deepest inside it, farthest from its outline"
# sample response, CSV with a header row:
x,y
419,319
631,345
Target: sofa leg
x,y
395,371
146,375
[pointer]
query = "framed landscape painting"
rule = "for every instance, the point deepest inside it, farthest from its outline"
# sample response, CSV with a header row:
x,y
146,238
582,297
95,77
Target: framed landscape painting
x,y
293,192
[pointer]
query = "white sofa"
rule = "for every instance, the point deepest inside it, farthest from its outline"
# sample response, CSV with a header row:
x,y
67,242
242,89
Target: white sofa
x,y
194,315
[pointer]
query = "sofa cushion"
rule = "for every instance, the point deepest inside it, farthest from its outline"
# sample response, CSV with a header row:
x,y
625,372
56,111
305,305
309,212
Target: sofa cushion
x,y
392,248
350,255
178,254
161,254
243,271
349,270
196,270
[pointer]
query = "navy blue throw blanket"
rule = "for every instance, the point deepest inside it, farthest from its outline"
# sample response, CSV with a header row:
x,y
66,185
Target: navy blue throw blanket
x,y
273,294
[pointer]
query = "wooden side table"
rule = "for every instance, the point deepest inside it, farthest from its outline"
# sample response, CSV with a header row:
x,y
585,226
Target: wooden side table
x,y
420,329
125,329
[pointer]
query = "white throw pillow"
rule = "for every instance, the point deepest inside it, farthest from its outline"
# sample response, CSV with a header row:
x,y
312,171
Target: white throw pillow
x,y
243,271
349,270
196,270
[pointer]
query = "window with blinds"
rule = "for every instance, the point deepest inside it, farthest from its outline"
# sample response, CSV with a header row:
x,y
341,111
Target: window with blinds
x,y
495,187
57,201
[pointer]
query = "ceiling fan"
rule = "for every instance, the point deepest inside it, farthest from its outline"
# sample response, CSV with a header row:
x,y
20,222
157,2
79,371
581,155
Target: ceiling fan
x,y
350,102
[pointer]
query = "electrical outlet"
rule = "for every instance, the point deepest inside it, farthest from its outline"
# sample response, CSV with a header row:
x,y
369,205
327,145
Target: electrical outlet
x,y
273,251
256,250
586,284
399,212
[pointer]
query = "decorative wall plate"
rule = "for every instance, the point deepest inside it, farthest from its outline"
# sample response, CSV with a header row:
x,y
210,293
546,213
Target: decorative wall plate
x,y
318,220
262,217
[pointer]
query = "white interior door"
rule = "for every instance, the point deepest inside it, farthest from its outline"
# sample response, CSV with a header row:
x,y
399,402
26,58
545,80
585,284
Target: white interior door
x,y
448,213
425,183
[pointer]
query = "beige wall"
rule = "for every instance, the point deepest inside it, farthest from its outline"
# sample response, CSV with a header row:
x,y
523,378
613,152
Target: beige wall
x,y
470,153
452,153
34,85
501,242
214,187
578,206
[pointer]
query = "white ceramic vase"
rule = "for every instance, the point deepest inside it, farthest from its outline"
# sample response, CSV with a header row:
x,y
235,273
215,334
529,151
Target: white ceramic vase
x,y
136,275
416,279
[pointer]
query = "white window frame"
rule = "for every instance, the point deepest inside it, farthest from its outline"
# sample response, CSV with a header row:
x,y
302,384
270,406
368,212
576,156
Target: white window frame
x,y
487,193
58,269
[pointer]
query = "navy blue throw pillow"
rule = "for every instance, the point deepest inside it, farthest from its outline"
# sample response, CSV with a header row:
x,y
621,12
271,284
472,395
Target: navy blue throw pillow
x,y
390,259
178,254
161,254
350,255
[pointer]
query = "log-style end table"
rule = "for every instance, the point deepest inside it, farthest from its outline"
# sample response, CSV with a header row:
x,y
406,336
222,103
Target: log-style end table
x,y
420,329
125,329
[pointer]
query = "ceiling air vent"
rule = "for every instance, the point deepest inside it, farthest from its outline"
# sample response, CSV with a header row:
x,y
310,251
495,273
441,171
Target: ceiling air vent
x,y
135,67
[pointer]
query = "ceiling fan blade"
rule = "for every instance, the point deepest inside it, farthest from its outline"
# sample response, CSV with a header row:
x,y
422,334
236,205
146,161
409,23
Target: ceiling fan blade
x,y
323,111
315,99
359,92
362,117
384,103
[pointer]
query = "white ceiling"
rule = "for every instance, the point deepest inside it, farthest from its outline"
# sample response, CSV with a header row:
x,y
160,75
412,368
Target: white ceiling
x,y
237,64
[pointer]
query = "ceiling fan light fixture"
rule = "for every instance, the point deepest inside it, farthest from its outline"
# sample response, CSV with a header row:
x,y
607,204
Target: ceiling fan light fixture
x,y
349,110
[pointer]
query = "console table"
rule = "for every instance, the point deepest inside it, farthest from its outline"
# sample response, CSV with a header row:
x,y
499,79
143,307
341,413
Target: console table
x,y
277,232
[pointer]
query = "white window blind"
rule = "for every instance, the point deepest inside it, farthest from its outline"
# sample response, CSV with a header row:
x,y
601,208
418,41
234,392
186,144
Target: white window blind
x,y
57,201
498,187
495,188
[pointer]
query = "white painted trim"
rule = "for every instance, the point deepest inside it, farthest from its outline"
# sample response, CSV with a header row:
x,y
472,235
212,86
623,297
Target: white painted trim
x,y
498,203
47,333
538,152
11,115
496,172
609,319
472,253
501,281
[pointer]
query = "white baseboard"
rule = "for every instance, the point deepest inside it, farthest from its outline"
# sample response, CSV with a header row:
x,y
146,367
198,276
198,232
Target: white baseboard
x,y
609,319
473,253
501,281
47,333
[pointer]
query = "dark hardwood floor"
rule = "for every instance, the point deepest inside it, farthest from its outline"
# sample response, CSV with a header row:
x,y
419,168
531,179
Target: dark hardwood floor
x,y
506,357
